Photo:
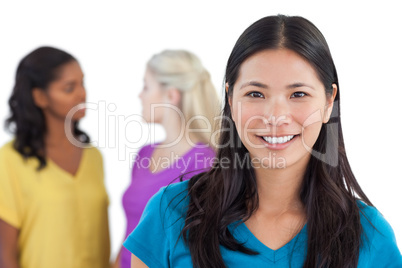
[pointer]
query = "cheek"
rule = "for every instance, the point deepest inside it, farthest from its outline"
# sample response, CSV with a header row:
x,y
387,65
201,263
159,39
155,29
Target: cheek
x,y
310,120
249,121
146,110
158,115
153,114
246,116
61,104
155,96
151,101
146,104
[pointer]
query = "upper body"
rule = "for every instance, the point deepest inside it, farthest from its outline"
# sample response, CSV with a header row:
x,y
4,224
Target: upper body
x,y
281,170
157,242
145,183
178,94
53,204
61,218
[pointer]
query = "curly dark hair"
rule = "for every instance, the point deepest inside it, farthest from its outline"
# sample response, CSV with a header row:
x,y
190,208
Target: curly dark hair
x,y
27,121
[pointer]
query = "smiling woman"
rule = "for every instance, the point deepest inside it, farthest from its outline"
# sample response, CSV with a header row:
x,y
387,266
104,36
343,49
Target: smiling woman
x,y
282,94
276,93
53,203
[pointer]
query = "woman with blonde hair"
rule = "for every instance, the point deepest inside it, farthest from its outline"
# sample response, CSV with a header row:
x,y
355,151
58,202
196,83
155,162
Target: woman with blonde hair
x,y
179,95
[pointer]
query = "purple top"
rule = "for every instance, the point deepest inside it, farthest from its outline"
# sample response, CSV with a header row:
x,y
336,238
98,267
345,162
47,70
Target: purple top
x,y
144,183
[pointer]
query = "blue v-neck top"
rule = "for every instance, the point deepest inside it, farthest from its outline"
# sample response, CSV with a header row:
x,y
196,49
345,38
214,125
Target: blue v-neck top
x,y
156,238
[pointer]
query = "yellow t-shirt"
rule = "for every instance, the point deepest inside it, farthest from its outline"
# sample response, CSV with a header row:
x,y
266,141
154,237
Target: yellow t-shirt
x,y
62,218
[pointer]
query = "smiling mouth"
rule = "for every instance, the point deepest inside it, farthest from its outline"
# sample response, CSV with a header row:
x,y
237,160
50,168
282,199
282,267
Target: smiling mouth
x,y
278,140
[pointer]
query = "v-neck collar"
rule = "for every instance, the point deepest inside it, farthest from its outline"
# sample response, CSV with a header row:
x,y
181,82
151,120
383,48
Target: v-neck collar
x,y
66,173
272,255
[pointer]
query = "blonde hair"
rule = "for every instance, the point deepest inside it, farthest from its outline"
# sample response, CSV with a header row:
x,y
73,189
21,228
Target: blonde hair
x,y
183,70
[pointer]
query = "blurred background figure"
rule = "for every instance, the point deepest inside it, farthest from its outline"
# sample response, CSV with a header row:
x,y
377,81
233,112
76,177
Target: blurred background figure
x,y
53,203
179,95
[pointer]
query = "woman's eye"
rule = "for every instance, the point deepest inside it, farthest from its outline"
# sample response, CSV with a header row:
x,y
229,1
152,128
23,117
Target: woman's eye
x,y
255,95
298,95
69,89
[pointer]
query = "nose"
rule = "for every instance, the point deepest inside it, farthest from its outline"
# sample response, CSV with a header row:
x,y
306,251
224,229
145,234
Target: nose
x,y
277,113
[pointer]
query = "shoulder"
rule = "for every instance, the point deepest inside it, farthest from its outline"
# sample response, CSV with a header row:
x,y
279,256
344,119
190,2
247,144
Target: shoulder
x,y
14,165
371,220
378,238
8,149
175,189
167,206
160,226
9,158
144,151
10,155
164,210
92,158
171,198
93,152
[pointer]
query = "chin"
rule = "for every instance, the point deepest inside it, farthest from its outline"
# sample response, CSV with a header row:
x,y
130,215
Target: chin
x,y
269,161
146,120
78,115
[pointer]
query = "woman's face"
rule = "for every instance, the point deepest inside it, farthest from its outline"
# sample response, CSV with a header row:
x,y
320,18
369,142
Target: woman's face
x,y
65,93
152,93
278,106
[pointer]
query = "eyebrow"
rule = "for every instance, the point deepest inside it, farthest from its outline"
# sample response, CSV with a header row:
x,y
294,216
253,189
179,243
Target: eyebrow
x,y
264,86
73,82
67,83
299,84
254,84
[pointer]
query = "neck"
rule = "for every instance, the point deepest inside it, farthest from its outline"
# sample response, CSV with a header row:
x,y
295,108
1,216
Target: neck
x,y
279,189
177,135
55,134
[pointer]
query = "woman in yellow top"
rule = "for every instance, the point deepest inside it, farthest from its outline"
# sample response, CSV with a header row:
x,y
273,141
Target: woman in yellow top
x,y
53,203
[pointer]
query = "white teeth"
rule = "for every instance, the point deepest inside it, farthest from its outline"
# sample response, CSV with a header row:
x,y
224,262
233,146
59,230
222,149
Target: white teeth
x,y
278,140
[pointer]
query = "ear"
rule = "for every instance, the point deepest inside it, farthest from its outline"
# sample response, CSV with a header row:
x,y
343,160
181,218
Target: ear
x,y
40,98
174,96
330,104
227,93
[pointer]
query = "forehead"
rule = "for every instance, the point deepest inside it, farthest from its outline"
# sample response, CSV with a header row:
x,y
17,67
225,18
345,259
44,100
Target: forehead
x,y
70,70
277,66
149,75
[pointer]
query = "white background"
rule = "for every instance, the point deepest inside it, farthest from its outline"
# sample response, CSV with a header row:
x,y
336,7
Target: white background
x,y
113,41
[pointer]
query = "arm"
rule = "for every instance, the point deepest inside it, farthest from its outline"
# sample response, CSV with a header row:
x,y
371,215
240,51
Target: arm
x,y
8,245
137,263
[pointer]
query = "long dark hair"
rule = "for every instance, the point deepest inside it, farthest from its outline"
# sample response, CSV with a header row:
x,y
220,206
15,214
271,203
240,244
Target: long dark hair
x,y
329,190
27,122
